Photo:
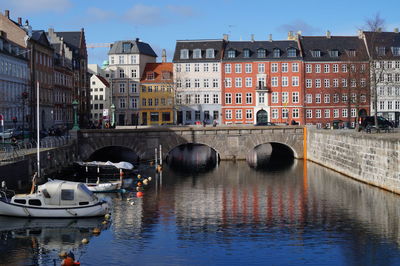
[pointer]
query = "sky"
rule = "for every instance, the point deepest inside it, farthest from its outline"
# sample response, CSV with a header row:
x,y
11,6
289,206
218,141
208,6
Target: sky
x,y
161,22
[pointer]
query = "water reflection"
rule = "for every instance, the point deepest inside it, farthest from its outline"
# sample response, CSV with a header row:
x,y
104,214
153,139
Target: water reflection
x,y
39,241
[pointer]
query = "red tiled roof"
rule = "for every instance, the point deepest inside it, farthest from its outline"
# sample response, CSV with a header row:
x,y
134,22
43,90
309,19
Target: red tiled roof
x,y
157,69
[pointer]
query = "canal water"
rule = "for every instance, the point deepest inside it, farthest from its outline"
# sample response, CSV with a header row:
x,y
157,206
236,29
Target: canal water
x,y
303,214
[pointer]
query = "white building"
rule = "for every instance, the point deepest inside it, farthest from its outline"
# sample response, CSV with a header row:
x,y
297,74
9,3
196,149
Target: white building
x,y
197,77
126,63
100,100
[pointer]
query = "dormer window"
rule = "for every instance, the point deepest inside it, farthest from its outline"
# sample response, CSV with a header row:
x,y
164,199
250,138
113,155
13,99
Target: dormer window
x,y
316,53
166,75
150,75
246,53
126,47
210,53
197,53
184,54
291,52
351,52
396,51
231,54
333,53
261,53
381,50
277,53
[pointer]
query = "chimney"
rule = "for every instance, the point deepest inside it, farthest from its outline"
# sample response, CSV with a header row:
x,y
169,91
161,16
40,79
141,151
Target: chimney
x,y
270,38
226,37
164,55
26,22
396,30
290,35
360,34
328,34
137,39
51,31
379,29
7,13
252,37
20,21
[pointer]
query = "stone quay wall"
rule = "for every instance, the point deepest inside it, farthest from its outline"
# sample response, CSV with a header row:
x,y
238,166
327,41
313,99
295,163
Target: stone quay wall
x,y
370,158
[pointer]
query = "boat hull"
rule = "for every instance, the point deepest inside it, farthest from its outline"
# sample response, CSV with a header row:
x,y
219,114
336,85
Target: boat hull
x,y
104,187
16,210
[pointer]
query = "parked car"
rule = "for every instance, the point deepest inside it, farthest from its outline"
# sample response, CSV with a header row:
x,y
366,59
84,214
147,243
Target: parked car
x,y
369,121
21,134
6,134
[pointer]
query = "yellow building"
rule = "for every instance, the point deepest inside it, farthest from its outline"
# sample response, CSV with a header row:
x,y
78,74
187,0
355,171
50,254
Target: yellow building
x,y
156,98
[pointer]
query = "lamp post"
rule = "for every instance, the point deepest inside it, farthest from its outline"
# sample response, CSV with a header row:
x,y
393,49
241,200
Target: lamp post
x,y
112,115
75,106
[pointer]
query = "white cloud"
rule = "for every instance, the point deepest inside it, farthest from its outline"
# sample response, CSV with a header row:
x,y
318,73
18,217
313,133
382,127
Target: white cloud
x,y
144,15
299,25
26,7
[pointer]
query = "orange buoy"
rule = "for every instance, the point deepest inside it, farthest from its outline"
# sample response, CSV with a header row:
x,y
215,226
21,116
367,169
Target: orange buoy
x,y
139,194
139,184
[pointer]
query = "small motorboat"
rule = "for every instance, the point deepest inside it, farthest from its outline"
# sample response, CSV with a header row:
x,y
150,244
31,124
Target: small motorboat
x,y
112,186
103,169
53,199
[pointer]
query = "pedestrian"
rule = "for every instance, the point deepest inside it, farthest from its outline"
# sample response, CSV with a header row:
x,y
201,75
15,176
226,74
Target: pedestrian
x,y
215,123
204,122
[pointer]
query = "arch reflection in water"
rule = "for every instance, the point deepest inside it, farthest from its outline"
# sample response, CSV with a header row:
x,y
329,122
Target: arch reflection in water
x,y
192,157
42,240
270,156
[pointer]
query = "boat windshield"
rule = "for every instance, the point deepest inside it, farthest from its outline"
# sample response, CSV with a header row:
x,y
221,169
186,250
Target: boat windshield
x,y
85,189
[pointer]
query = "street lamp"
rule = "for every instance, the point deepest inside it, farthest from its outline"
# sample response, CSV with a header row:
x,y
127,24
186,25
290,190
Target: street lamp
x,y
75,106
112,115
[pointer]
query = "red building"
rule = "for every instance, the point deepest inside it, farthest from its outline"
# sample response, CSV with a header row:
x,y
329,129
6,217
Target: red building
x,y
262,82
336,80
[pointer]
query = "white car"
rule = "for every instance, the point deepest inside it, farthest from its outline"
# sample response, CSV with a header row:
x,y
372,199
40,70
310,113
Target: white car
x,y
6,134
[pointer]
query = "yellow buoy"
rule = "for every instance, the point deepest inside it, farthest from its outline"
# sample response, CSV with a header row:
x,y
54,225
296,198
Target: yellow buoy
x,y
96,231
62,254
104,222
85,241
145,182
107,216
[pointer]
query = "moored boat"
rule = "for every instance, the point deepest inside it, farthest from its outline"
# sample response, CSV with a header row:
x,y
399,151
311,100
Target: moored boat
x,y
53,199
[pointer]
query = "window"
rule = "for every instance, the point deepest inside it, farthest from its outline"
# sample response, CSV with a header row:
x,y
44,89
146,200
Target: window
x,y
210,53
178,68
187,67
206,98
285,113
309,113
261,68
396,51
150,76
326,68
154,117
344,97
133,73
246,53
215,83
197,115
133,59
238,68
249,114
231,54
318,98
122,103
122,88
249,98
228,82
285,97
274,67
67,194
239,114
178,83
317,83
353,83
276,53
184,54
295,113
333,53
285,67
205,67
275,114
121,73
238,82
188,115
206,83
318,113
308,83
228,114
187,83
238,98
215,98
327,83
335,113
274,81
327,113
196,53
318,68
336,98
380,50
197,83
344,82
316,53
295,81
261,53
344,68
196,67
274,97
261,98
285,81
228,68
150,102
308,68
134,103
344,113
308,98
228,98
248,68
215,67
178,99
295,97
291,52
122,59
249,82
335,83
327,98
197,98
295,67
353,112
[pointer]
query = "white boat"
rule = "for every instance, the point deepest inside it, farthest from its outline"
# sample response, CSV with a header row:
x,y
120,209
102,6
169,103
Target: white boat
x,y
54,199
104,187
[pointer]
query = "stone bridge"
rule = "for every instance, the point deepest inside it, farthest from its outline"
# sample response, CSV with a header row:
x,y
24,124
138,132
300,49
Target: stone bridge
x,y
230,142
